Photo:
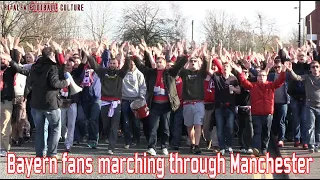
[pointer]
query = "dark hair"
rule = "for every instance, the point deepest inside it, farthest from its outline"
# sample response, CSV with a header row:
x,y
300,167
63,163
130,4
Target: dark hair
x,y
276,61
71,59
47,52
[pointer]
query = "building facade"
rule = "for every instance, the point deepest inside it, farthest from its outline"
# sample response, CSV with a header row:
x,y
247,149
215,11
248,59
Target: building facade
x,y
313,26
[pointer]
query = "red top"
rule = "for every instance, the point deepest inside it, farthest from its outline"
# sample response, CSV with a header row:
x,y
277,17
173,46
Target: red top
x,y
160,93
208,91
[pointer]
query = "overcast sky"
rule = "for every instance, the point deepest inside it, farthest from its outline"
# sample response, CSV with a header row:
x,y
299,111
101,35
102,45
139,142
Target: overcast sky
x,y
282,11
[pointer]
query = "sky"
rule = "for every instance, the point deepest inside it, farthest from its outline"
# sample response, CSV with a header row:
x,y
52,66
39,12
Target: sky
x,y
283,12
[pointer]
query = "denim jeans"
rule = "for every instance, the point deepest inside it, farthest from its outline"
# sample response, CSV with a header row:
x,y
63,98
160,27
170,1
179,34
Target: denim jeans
x,y
111,124
224,122
176,127
45,132
261,128
81,129
130,124
159,116
313,126
299,117
92,112
279,121
54,119
245,133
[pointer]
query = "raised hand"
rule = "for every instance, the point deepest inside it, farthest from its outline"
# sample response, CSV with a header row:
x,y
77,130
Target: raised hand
x,y
288,65
279,44
11,41
56,46
30,46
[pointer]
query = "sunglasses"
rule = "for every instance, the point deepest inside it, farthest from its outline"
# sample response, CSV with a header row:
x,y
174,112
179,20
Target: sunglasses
x,y
313,67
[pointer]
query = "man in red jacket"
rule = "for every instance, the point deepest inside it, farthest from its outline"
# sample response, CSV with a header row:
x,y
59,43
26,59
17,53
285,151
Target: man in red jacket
x,y
262,103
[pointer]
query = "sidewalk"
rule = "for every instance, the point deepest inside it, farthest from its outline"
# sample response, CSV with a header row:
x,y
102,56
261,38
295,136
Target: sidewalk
x,y
287,151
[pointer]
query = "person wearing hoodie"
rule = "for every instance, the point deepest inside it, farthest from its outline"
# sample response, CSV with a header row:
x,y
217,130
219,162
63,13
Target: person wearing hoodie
x,y
46,84
133,88
262,106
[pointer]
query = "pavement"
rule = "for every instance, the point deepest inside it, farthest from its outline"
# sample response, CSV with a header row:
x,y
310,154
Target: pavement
x,y
161,167
289,149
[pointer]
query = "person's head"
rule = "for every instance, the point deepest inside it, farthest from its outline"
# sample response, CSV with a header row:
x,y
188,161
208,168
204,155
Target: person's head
x,y
69,65
226,67
29,58
302,57
161,63
262,76
169,64
277,66
193,64
113,64
48,52
77,60
20,57
132,66
214,67
315,69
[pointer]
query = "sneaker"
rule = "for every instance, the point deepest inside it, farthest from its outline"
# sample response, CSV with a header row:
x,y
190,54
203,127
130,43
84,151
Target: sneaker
x,y
280,144
311,150
85,139
249,151
62,139
222,152
316,149
110,152
255,152
57,157
296,144
92,145
242,150
165,151
3,153
230,150
106,141
68,149
305,146
191,148
152,152
127,146
196,150
208,145
215,149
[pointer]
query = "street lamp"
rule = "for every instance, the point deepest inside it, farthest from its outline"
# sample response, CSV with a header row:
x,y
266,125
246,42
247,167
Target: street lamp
x,y
299,23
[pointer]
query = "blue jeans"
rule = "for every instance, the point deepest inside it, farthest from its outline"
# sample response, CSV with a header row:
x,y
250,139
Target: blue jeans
x,y
313,126
81,129
299,117
92,112
130,124
46,129
224,122
279,121
159,116
54,119
177,125
261,131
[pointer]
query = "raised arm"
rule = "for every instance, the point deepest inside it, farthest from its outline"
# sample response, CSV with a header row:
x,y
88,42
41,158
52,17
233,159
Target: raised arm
x,y
125,68
178,66
293,75
142,68
94,65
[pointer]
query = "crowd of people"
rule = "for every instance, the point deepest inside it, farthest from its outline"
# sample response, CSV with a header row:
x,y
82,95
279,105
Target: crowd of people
x,y
211,95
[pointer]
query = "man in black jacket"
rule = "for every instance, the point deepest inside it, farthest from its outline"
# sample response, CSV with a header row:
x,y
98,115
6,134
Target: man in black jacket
x,y
162,97
45,102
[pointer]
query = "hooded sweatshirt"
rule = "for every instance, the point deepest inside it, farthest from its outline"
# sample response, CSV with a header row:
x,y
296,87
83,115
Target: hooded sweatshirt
x,y
134,86
45,84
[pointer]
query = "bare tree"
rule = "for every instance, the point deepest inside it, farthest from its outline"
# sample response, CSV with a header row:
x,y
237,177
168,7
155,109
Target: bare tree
x,y
146,20
267,28
219,25
98,19
179,21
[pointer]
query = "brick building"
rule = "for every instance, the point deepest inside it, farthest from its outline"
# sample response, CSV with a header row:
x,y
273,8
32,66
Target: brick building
x,y
315,22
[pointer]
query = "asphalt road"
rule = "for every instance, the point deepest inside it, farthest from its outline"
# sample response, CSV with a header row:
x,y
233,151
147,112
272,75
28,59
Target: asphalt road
x,y
162,164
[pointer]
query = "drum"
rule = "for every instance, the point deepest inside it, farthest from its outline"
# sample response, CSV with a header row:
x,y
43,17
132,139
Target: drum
x,y
140,108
